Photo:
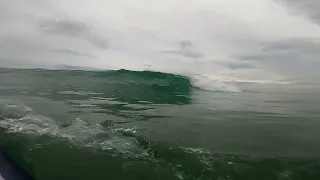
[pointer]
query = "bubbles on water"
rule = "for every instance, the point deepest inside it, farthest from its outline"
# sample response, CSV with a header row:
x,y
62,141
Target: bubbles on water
x,y
285,175
204,156
16,107
126,131
86,105
29,124
78,133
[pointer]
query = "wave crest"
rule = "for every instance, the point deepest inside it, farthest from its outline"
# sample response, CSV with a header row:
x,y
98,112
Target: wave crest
x,y
208,84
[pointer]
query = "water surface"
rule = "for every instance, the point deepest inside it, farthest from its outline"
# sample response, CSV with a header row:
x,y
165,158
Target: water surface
x,y
151,125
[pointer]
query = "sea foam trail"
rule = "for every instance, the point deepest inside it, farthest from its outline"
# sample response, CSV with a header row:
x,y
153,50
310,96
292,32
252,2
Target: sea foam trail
x,y
17,118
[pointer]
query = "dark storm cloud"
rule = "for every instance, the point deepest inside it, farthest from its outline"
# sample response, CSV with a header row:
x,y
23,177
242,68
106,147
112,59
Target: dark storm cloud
x,y
186,49
69,28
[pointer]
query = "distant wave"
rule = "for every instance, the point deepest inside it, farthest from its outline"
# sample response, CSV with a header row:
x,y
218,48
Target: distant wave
x,y
158,81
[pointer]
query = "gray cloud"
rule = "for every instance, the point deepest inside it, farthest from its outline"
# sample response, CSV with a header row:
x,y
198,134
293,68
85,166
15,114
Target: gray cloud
x,y
240,65
69,28
309,8
73,52
20,63
186,49
219,39
68,51
306,45
297,59
290,49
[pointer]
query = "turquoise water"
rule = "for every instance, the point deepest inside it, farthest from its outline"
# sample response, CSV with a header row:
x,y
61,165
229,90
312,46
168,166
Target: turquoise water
x,y
151,125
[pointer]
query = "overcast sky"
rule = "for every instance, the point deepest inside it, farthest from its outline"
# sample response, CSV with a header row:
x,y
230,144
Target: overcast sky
x,y
229,39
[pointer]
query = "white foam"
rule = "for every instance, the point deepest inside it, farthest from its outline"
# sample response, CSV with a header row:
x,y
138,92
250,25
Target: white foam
x,y
208,84
87,105
79,133
29,124
145,102
195,150
17,107
204,156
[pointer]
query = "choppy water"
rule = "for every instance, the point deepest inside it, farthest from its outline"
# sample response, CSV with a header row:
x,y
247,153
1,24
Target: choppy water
x,y
148,125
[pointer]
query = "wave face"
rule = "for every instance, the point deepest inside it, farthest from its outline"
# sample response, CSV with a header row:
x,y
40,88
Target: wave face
x,y
169,80
124,85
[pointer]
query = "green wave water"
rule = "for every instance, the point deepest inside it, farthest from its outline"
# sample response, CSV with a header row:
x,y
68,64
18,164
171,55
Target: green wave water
x,y
151,125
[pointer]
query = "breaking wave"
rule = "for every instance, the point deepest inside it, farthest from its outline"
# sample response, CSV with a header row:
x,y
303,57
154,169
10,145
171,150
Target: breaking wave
x,y
213,85
166,79
163,80
137,80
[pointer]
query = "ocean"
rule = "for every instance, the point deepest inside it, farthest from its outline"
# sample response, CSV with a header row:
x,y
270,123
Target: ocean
x,y
143,125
